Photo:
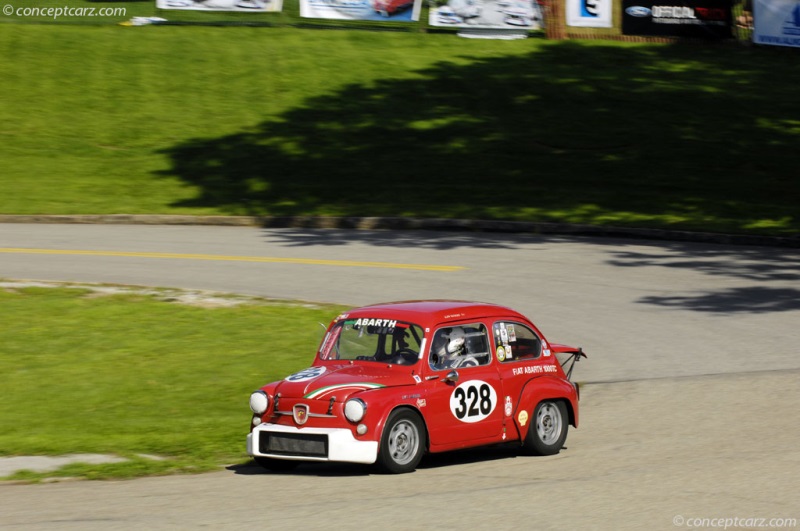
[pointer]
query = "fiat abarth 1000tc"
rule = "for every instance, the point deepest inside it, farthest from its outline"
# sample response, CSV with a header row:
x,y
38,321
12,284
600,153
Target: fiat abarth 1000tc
x,y
393,381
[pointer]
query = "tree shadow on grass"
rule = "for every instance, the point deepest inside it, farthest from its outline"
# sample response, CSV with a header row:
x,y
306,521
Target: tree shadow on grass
x,y
689,136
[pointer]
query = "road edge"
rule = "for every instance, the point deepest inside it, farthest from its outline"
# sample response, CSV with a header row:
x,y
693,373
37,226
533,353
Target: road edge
x,y
398,223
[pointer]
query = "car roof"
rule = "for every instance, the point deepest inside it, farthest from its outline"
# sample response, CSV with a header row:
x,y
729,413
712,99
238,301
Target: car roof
x,y
431,312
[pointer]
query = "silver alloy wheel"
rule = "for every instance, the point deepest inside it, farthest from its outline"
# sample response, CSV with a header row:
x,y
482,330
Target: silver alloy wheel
x,y
548,423
403,442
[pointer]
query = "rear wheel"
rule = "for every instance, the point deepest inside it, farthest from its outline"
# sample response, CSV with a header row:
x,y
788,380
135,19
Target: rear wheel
x,y
547,431
276,465
403,442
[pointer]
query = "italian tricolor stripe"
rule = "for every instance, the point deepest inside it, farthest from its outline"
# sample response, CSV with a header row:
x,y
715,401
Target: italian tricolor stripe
x,y
331,388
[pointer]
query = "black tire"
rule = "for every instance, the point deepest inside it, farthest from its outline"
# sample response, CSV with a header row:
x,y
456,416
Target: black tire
x,y
276,465
403,442
547,431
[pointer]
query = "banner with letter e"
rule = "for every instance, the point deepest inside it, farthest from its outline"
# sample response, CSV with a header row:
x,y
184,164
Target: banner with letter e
x,y
589,13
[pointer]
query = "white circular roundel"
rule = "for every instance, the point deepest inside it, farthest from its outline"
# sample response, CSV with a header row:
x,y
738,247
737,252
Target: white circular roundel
x,y
305,374
473,401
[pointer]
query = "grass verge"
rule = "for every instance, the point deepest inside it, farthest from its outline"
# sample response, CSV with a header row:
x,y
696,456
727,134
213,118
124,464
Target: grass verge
x,y
136,374
289,121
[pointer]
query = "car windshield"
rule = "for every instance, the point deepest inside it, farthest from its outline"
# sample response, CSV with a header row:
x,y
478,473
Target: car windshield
x,y
382,340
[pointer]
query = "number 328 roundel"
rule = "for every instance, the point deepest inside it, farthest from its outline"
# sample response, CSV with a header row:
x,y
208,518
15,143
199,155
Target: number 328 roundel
x,y
473,401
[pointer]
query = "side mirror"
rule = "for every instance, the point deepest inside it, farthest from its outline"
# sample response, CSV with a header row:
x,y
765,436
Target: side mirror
x,y
452,377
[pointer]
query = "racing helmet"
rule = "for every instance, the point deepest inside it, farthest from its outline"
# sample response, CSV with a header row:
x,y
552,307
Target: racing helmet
x,y
454,345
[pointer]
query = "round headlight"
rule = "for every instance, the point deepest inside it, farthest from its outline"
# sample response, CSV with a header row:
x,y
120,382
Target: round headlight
x,y
355,409
259,401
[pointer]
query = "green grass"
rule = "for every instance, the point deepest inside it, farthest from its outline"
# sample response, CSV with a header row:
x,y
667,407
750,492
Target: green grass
x,y
132,374
288,121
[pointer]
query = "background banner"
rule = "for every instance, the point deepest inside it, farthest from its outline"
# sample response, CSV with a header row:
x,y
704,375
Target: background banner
x,y
700,19
487,14
389,10
776,22
589,13
252,6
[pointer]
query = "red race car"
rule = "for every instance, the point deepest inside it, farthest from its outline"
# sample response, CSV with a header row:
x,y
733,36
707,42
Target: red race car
x,y
393,381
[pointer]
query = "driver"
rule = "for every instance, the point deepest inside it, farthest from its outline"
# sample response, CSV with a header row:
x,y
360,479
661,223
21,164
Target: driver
x,y
448,347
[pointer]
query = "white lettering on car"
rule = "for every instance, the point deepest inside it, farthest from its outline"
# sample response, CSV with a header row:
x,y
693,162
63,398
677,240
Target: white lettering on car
x,y
533,369
388,323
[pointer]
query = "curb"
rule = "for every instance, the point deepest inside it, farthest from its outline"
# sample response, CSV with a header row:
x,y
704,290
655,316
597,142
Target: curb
x,y
396,223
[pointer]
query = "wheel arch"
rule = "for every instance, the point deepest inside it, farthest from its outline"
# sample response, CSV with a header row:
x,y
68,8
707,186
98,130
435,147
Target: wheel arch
x,y
407,407
540,389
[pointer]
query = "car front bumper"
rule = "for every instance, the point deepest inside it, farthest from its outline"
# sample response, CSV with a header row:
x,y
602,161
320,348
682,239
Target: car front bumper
x,y
309,444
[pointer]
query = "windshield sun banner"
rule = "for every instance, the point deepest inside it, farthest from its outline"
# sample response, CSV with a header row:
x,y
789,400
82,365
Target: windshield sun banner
x,y
379,10
776,22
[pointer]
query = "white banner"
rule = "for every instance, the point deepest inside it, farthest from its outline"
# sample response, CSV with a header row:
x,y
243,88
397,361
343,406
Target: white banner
x,y
249,6
488,14
389,10
776,22
589,13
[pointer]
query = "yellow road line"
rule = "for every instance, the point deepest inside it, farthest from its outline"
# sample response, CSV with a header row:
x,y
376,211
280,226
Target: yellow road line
x,y
263,259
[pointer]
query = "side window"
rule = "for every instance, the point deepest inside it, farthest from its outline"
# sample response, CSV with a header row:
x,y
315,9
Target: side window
x,y
515,341
460,346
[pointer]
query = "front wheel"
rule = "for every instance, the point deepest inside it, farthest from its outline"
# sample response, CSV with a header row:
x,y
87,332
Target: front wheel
x,y
547,431
403,442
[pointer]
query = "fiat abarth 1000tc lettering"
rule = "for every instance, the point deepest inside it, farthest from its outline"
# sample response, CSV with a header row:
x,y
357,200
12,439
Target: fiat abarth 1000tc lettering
x,y
393,381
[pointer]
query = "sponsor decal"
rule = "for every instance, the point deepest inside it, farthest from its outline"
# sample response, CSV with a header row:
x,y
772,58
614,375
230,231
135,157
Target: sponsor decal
x,y
473,401
501,354
306,374
421,403
522,417
509,408
512,335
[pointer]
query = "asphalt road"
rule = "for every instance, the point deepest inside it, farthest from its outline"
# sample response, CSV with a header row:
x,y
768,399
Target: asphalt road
x,y
689,409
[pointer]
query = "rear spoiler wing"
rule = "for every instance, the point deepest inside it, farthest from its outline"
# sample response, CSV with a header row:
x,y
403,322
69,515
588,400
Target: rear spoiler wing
x,y
569,356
